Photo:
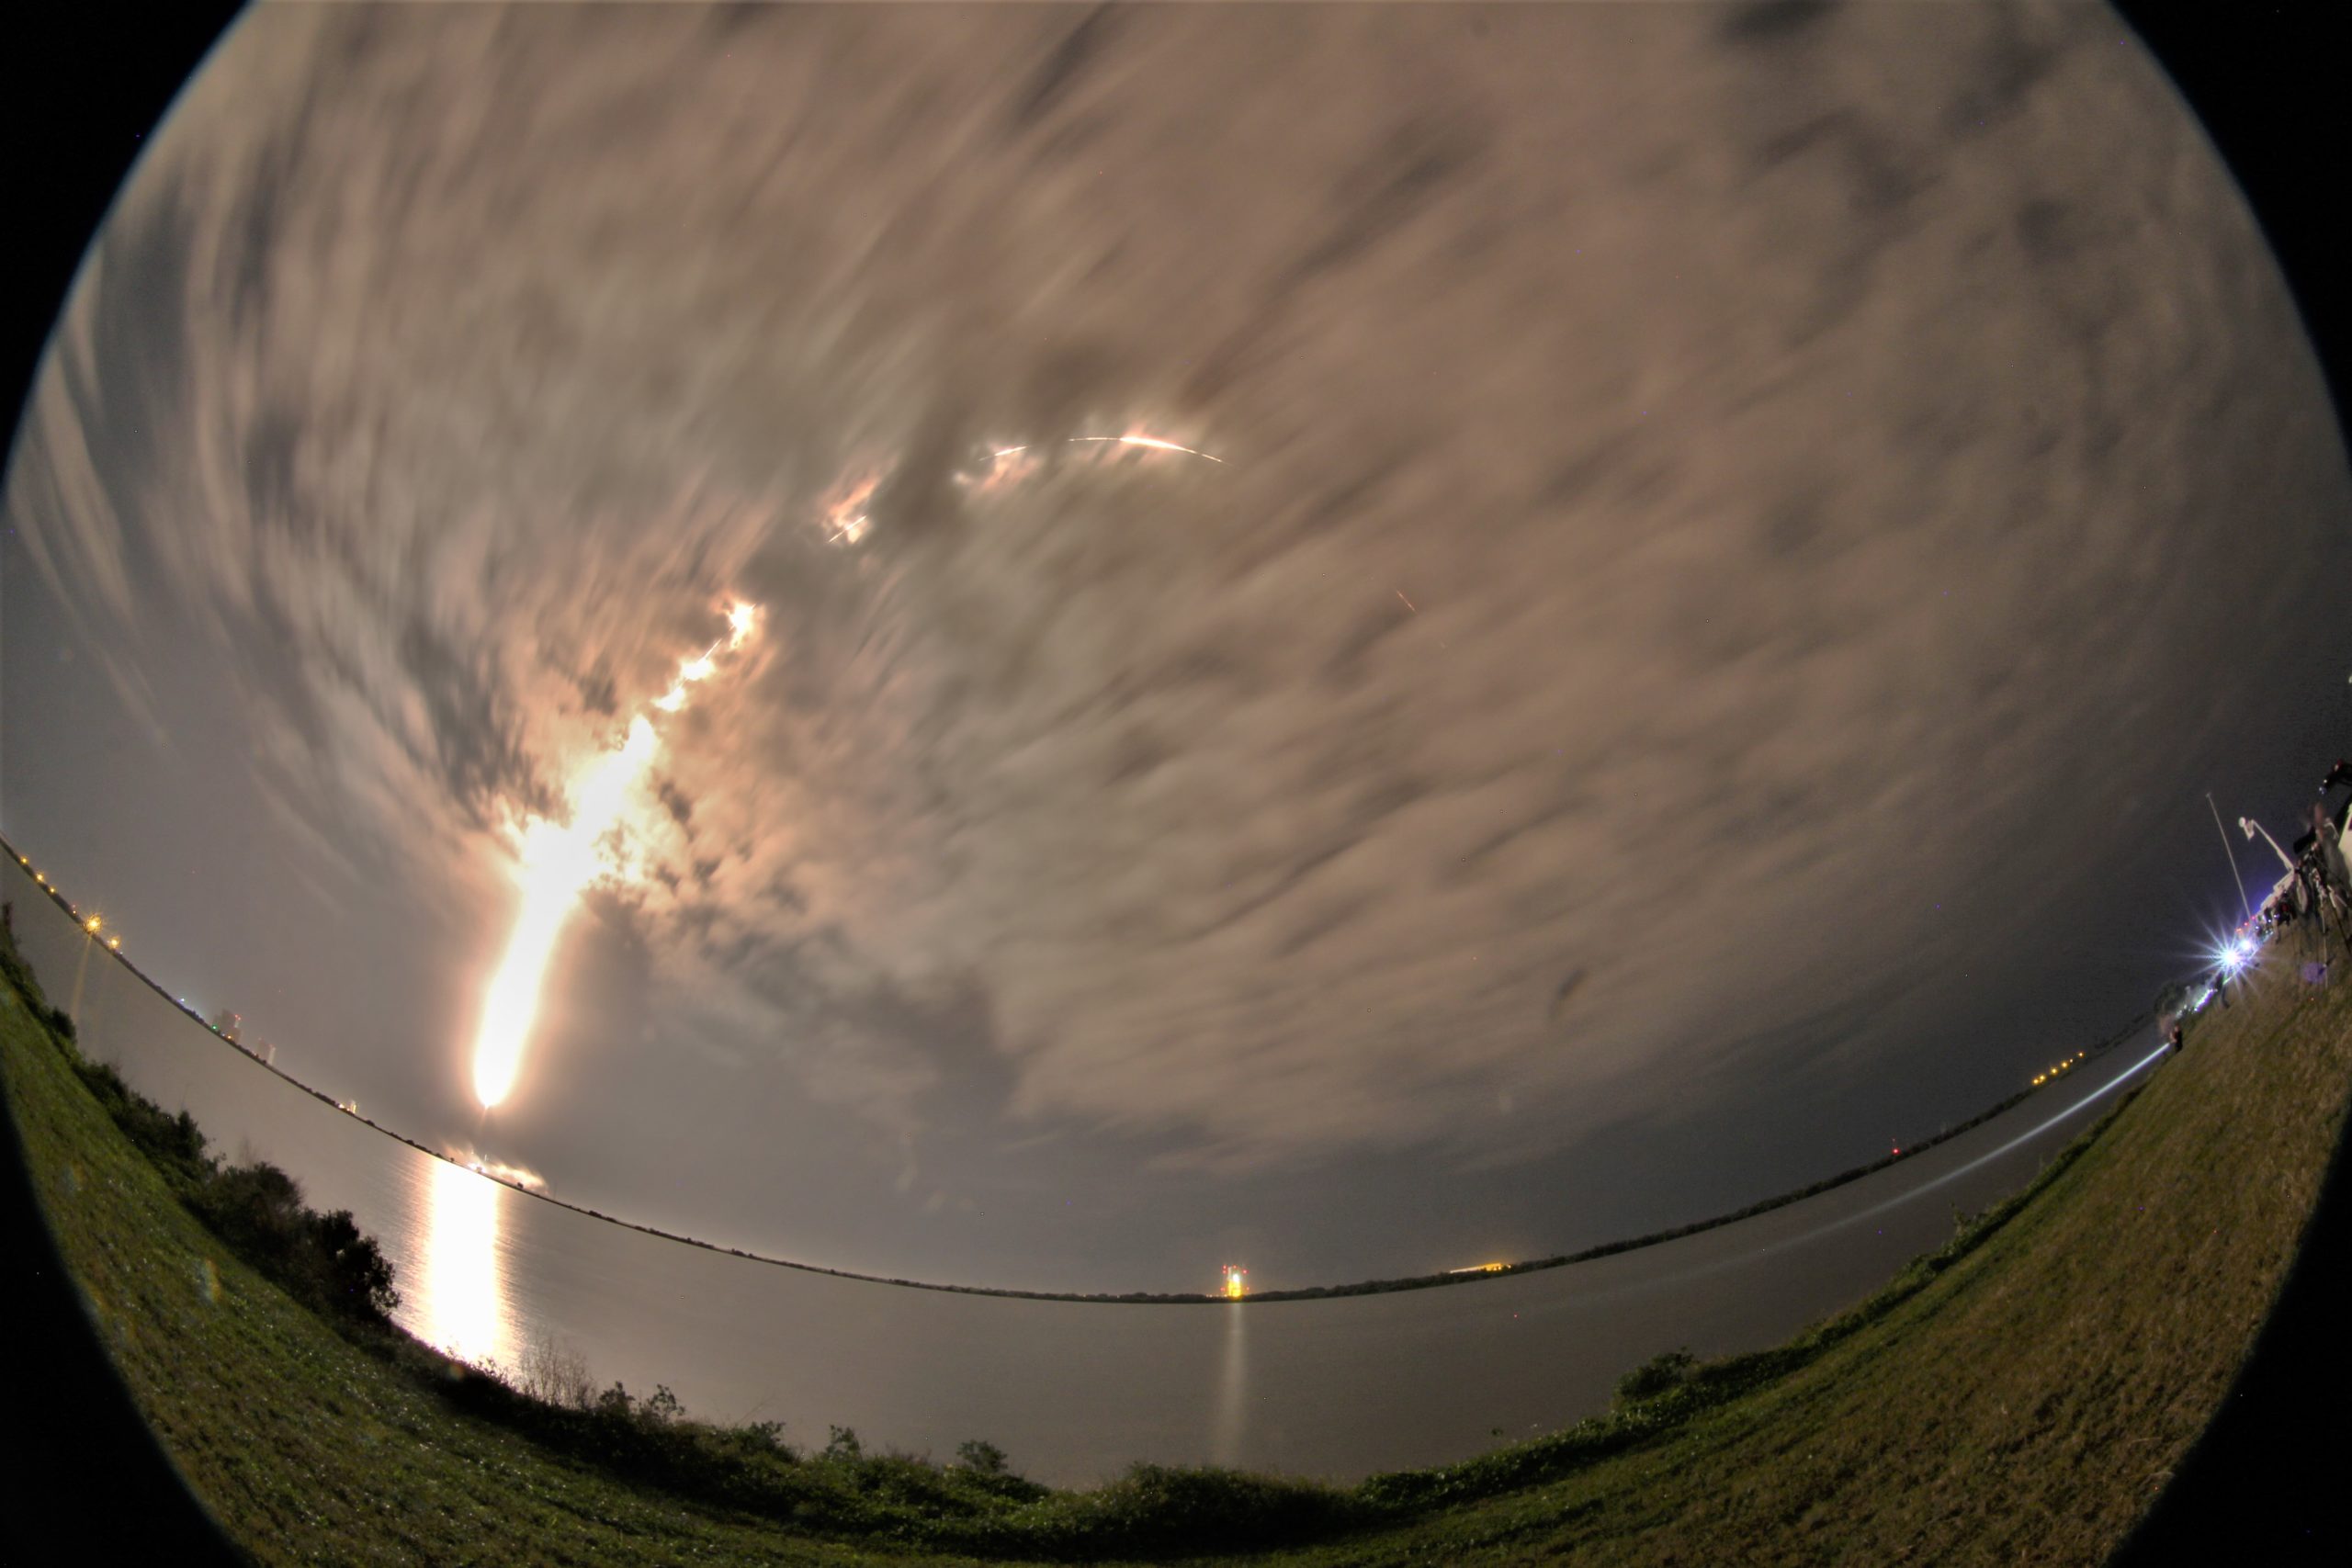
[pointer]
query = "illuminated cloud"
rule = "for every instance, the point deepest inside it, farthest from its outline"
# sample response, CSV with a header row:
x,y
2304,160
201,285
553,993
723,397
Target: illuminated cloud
x,y
1699,520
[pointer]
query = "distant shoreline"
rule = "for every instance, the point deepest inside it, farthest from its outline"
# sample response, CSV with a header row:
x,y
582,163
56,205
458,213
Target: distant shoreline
x,y
1132,1298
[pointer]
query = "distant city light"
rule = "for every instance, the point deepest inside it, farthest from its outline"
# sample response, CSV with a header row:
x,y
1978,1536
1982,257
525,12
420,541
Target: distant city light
x,y
1236,1282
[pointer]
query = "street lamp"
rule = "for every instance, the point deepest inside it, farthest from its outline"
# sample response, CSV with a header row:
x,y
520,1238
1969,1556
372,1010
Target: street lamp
x,y
2250,827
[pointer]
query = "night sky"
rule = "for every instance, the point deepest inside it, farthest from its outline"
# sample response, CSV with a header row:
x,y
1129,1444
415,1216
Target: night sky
x,y
1743,537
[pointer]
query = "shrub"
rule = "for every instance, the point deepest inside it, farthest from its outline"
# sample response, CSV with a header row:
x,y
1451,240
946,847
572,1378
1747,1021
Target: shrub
x,y
844,1445
982,1458
323,1259
357,1276
1655,1375
759,1436
1160,1509
258,1209
553,1373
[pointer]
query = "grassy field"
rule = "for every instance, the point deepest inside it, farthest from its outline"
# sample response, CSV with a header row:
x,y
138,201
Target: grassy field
x,y
2024,1395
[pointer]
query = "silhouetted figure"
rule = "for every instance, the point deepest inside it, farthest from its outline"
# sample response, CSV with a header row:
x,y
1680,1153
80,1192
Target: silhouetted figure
x,y
2327,844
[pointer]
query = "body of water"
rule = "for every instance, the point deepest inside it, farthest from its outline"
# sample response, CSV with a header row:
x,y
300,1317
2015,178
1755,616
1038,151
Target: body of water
x,y
1073,1392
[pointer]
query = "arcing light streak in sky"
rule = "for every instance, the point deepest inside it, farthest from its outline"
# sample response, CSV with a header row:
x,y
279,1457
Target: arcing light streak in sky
x,y
1151,441
557,864
845,520
1745,1256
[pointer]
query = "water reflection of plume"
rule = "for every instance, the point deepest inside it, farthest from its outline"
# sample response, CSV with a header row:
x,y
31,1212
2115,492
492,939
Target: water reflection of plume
x,y
1230,1419
461,1304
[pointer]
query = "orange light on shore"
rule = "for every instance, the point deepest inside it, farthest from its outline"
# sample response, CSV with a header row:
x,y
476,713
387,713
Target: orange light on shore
x,y
1236,1282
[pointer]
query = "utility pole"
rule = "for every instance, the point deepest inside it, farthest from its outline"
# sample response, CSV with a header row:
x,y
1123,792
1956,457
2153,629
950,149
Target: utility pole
x,y
2253,826
2243,905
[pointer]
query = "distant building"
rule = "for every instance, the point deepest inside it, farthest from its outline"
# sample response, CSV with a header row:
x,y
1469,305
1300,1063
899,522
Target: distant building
x,y
1236,1282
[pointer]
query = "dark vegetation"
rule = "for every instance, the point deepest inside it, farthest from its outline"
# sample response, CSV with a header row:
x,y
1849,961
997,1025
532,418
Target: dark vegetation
x,y
321,1260
977,1505
256,1210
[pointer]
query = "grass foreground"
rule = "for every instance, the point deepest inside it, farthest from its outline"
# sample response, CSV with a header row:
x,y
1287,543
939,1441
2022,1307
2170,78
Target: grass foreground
x,y
2021,1395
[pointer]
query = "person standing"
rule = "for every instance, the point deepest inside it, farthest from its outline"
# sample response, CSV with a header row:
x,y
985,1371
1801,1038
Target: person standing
x,y
2330,848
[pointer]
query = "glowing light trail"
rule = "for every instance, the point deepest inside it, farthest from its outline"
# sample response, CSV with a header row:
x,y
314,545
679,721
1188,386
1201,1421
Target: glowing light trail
x,y
1737,1260
1151,441
558,862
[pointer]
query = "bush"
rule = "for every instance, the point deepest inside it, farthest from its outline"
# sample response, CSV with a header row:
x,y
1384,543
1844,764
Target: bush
x,y
553,1373
357,1276
322,1259
1163,1509
759,1436
1655,1375
844,1445
982,1458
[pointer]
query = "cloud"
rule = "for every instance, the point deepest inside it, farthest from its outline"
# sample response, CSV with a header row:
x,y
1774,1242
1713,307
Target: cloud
x,y
1683,520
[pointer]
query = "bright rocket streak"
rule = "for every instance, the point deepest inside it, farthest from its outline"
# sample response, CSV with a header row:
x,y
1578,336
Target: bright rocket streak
x,y
1151,441
557,863
739,621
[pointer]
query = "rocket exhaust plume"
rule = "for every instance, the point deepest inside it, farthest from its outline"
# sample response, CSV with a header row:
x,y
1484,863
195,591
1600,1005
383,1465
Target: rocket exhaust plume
x,y
556,865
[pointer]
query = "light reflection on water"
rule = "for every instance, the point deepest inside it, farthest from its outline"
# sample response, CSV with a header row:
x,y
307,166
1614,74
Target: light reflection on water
x,y
1232,1417
459,1301
1073,1392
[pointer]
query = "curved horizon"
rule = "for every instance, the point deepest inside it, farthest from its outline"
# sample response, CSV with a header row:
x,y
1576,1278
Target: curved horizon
x,y
1368,1286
